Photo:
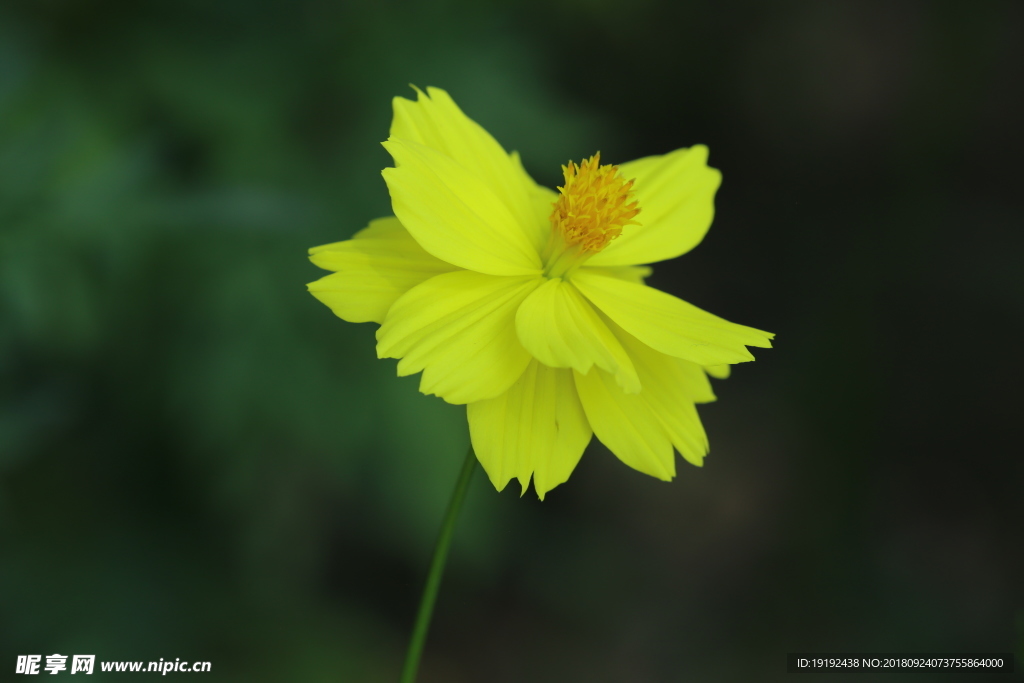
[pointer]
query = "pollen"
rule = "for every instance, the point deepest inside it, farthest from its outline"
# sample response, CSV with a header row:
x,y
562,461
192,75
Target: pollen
x,y
594,205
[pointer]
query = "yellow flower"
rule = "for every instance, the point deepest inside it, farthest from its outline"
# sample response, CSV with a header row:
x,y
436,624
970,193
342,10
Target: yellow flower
x,y
529,306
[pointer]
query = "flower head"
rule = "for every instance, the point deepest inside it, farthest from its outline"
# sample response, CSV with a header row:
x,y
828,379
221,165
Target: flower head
x,y
529,306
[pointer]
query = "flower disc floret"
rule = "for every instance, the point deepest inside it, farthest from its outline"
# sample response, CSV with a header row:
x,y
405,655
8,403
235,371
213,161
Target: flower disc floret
x,y
594,204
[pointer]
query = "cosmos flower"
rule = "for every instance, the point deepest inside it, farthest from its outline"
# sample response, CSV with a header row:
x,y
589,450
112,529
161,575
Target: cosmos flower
x,y
529,306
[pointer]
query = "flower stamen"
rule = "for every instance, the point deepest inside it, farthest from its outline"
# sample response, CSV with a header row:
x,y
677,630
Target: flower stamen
x,y
594,205
592,208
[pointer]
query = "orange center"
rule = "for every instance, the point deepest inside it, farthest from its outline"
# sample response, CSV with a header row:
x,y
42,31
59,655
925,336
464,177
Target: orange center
x,y
593,206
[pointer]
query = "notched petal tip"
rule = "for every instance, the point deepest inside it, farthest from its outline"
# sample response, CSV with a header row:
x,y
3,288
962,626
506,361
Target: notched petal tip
x,y
764,342
537,430
669,324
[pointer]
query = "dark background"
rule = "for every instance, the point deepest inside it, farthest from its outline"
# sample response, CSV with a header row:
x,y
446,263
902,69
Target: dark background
x,y
198,460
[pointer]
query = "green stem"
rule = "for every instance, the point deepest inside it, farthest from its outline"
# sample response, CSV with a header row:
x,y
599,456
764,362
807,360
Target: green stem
x,y
444,540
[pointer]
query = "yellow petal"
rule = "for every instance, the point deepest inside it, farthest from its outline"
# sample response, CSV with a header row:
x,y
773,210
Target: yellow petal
x,y
676,193
459,329
542,202
454,215
668,324
561,329
625,424
671,387
718,371
536,427
642,429
435,121
687,380
378,265
634,274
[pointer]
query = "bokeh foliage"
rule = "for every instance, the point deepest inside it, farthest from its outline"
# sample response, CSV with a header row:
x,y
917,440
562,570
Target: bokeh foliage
x,y
197,460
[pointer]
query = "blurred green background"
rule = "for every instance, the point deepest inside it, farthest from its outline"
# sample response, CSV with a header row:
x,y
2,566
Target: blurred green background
x,y
197,460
